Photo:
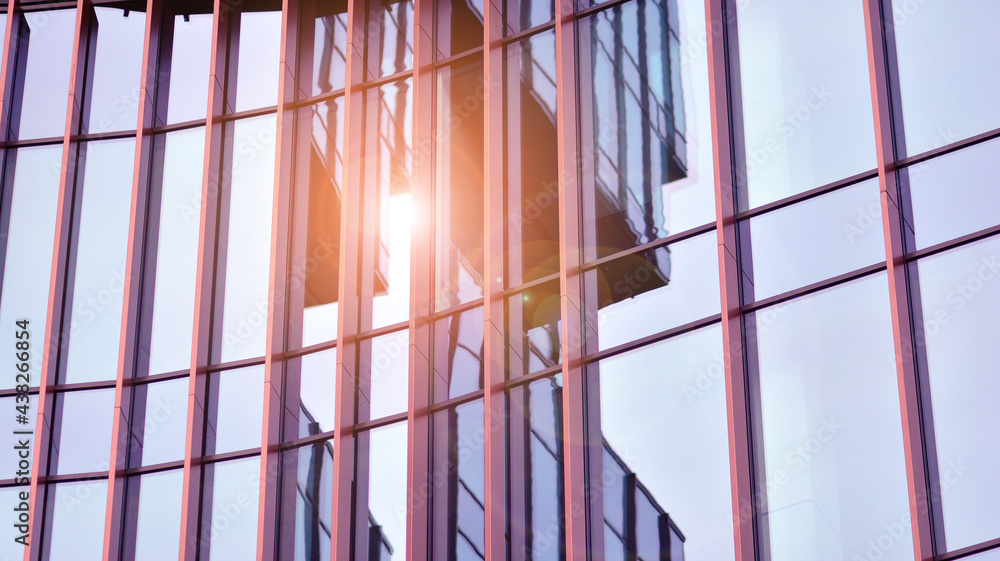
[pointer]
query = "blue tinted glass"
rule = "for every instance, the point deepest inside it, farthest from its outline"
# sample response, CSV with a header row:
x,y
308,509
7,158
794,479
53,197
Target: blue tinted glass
x,y
10,499
84,441
311,469
46,77
76,512
329,49
525,14
311,380
387,374
257,62
161,407
534,327
458,355
663,422
229,523
832,444
101,246
30,238
159,515
189,67
954,194
113,98
458,496
387,504
237,397
959,314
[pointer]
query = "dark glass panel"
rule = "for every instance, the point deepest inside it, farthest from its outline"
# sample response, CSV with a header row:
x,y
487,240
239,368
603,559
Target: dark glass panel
x,y
666,449
101,245
805,91
44,84
75,513
817,239
32,185
235,410
959,317
83,437
186,84
458,355
533,329
458,496
459,198
159,419
525,14
532,177
459,26
679,281
257,59
385,374
230,507
394,28
177,172
112,96
832,449
157,506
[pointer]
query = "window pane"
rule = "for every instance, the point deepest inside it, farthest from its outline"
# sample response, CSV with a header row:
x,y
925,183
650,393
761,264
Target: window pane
x,y
458,495
310,510
84,437
251,194
386,373
159,515
187,97
12,463
959,305
817,239
396,48
666,446
29,245
161,408
459,27
832,444
76,513
113,98
45,83
525,14
229,525
955,194
311,381
10,499
178,158
532,177
392,202
329,47
949,62
386,468
459,194
458,355
680,282
805,90
536,519
236,410
257,62
533,330
101,246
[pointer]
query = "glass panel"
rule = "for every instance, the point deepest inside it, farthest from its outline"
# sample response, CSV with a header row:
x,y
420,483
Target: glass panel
x,y
29,241
236,410
178,158
536,516
991,555
954,194
805,91
959,305
386,468
311,508
459,197
101,246
532,177
45,83
817,239
458,495
311,380
533,330
392,203
329,47
642,180
76,514
15,501
395,50
679,281
113,99
161,407
666,447
257,60
833,449
458,355
318,193
159,515
251,194
84,433
948,60
525,14
230,520
187,97
13,463
386,374
459,26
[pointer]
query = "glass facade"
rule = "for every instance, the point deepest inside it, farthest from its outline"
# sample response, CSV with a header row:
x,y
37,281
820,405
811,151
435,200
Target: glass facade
x,y
442,280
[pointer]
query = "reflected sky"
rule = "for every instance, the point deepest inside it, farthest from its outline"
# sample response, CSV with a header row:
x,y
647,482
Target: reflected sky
x,y
233,525
46,79
159,517
257,66
192,47
77,515
114,94
387,485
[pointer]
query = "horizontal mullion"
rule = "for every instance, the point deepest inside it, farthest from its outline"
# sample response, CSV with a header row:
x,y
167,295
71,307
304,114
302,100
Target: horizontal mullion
x,y
948,148
814,287
655,244
807,195
651,339
953,244
969,551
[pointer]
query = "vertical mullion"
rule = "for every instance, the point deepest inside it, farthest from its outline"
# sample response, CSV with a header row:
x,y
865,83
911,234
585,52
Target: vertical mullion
x,y
726,106
573,328
57,334
133,294
348,310
190,533
421,286
888,140
494,344
277,312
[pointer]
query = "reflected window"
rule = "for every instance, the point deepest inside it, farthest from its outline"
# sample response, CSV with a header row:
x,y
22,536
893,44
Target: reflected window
x,y
459,26
458,495
112,96
310,380
43,88
310,509
84,421
525,14
186,46
458,355
101,246
325,40
235,410
533,330
395,26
